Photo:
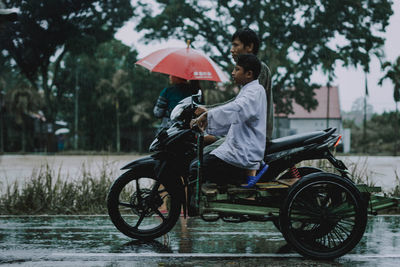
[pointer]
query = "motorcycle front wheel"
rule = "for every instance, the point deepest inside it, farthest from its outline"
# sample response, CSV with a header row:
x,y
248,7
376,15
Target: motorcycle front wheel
x,y
141,207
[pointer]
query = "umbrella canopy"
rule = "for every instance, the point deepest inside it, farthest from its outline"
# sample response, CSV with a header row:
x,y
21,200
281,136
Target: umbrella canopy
x,y
186,63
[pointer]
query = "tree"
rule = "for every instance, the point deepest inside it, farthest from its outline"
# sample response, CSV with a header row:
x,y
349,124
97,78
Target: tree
x,y
381,134
22,101
393,74
96,119
112,92
356,113
297,37
47,30
97,111
142,114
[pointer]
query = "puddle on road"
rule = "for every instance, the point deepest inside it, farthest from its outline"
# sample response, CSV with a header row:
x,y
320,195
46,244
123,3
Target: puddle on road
x,y
49,238
97,233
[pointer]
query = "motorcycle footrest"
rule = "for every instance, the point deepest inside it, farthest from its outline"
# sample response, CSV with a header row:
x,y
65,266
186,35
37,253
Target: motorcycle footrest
x,y
241,190
209,190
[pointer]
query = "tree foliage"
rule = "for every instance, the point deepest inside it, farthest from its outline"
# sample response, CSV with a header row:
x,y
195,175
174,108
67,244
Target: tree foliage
x,y
47,30
381,135
392,74
104,78
297,37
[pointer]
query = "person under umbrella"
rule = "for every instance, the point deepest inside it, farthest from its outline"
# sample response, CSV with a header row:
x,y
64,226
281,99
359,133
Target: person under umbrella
x,y
170,97
182,64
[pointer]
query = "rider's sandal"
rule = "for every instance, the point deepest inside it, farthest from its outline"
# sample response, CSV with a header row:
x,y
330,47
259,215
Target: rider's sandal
x,y
252,180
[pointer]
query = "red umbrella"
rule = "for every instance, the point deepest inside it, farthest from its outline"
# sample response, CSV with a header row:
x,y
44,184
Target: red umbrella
x,y
186,63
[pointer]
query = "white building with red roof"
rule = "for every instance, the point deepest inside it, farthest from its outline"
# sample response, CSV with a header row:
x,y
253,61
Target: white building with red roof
x,y
326,115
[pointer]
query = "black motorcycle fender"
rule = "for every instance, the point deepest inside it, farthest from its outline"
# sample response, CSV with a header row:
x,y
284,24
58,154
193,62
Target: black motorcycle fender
x,y
149,160
163,171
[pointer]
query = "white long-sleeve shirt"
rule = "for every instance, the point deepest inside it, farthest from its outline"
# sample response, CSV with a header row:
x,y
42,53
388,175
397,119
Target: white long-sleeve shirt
x,y
243,120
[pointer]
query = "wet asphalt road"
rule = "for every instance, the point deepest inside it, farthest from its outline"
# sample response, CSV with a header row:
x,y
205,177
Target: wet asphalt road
x,y
93,241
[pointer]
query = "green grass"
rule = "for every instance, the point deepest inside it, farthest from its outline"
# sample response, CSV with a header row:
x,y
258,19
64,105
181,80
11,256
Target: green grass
x,y
45,192
396,190
359,172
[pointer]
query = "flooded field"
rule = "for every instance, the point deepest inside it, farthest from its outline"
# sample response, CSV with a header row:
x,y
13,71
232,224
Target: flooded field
x,y
380,170
21,167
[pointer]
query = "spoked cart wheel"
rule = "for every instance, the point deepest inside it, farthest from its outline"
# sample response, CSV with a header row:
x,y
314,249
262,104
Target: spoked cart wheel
x,y
303,171
323,216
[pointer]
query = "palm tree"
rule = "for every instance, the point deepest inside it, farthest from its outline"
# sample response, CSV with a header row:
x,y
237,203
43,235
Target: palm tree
x,y
393,74
142,113
113,91
22,101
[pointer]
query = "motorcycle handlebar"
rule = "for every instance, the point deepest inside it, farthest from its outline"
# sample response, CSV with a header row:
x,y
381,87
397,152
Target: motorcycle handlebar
x,y
196,128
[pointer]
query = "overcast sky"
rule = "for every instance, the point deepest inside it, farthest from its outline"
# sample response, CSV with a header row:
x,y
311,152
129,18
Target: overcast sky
x,y
350,81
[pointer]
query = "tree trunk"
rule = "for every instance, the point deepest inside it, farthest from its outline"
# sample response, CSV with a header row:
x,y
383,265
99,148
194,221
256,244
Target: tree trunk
x,y
396,131
23,137
76,111
365,114
140,138
327,106
118,130
1,130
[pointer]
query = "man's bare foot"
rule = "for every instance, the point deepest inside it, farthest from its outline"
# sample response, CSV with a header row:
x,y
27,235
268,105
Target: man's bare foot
x,y
251,172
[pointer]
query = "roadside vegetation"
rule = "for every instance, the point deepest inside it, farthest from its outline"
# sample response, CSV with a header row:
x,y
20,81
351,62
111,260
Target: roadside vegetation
x,y
381,135
46,192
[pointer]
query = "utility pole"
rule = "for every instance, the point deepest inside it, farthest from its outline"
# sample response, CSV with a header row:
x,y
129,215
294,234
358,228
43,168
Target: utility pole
x,y
76,108
365,113
1,123
396,130
118,133
328,100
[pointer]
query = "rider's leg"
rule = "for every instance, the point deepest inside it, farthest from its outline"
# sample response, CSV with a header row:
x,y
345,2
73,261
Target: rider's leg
x,y
220,172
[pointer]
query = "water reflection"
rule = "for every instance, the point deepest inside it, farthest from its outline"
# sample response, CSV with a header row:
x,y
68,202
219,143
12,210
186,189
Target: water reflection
x,y
139,246
185,238
97,235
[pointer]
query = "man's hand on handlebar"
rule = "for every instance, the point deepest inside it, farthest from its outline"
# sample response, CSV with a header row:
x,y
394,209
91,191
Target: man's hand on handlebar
x,y
201,121
199,111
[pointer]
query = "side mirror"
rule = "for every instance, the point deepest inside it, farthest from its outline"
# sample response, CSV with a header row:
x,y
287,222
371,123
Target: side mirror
x,y
197,97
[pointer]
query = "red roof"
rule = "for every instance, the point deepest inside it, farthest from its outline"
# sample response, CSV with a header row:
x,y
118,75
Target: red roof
x,y
321,112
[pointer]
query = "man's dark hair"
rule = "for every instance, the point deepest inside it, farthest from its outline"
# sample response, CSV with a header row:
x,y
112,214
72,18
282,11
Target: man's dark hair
x,y
249,62
247,36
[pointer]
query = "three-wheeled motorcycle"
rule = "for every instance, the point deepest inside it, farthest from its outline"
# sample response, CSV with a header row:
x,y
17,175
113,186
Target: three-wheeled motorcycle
x,y
321,215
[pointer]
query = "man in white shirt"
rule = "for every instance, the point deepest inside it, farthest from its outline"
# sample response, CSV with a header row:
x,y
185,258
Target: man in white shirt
x,y
243,121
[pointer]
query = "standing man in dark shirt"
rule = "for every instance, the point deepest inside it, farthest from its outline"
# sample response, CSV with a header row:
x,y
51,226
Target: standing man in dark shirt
x,y
246,41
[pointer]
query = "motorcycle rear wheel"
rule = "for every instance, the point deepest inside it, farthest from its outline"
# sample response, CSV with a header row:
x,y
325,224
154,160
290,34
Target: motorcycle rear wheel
x,y
136,211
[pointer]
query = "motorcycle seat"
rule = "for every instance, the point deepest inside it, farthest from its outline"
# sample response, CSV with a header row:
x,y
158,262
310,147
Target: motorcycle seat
x,y
297,140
